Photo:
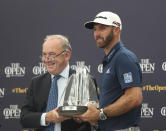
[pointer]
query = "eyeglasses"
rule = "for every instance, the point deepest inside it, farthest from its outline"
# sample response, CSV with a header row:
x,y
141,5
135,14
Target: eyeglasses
x,y
51,56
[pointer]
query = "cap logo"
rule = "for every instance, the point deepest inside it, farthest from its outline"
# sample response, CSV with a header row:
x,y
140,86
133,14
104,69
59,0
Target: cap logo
x,y
116,23
101,17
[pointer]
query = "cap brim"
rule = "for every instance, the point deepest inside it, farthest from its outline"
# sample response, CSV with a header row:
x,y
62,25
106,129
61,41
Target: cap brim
x,y
89,25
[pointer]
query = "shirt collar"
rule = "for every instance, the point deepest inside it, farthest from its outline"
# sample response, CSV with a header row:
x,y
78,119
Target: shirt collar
x,y
108,57
64,73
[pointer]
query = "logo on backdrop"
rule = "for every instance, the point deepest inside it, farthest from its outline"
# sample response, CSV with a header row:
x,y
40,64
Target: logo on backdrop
x,y
146,112
14,70
164,66
154,88
19,90
163,111
79,63
159,130
40,69
28,130
2,92
13,112
100,68
146,66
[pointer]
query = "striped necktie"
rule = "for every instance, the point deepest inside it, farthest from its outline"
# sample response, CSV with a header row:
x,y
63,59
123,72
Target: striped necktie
x,y
52,100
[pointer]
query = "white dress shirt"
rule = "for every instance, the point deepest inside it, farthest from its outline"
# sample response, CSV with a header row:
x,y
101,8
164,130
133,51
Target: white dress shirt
x,y
62,83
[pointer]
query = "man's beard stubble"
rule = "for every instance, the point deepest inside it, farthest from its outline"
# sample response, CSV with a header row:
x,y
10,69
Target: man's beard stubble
x,y
107,41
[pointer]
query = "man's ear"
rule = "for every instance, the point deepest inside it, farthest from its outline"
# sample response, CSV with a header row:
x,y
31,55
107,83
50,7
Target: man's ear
x,y
68,55
116,30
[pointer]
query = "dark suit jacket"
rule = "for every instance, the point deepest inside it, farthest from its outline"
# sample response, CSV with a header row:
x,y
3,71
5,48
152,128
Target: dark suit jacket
x,y
35,104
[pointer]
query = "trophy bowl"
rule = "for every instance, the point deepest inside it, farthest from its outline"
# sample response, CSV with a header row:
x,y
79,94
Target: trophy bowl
x,y
80,90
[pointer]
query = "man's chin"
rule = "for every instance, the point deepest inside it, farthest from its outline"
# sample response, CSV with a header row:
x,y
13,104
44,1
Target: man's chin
x,y
100,45
51,70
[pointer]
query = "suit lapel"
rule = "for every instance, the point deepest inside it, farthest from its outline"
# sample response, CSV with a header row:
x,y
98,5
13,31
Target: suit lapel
x,y
71,71
46,88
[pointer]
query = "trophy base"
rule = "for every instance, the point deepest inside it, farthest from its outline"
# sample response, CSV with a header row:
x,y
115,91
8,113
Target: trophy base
x,y
71,110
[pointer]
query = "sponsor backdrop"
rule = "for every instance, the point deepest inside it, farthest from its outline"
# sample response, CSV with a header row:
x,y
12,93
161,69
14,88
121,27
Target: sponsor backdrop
x,y
25,23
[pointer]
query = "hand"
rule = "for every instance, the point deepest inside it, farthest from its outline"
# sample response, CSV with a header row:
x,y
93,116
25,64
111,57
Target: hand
x,y
54,117
91,115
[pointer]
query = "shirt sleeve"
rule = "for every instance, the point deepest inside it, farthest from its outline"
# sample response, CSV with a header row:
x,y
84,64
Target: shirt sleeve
x,y
42,120
128,71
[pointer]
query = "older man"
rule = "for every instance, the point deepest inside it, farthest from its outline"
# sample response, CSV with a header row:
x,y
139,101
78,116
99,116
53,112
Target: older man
x,y
47,91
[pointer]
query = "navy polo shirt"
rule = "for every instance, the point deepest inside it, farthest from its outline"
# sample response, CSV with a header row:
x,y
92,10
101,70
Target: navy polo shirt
x,y
121,70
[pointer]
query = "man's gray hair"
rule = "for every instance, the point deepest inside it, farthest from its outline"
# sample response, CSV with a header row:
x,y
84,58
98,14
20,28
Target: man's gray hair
x,y
64,40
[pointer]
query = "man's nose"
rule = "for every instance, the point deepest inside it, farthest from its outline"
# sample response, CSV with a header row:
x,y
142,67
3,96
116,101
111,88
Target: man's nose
x,y
96,33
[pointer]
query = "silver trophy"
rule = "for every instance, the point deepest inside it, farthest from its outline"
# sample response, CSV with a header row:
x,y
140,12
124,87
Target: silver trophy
x,y
79,91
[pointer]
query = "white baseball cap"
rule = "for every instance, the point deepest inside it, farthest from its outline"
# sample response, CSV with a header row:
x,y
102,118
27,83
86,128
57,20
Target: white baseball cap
x,y
105,18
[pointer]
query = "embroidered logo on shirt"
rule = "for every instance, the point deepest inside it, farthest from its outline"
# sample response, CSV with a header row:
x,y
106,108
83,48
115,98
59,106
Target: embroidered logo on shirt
x,y
108,71
128,77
